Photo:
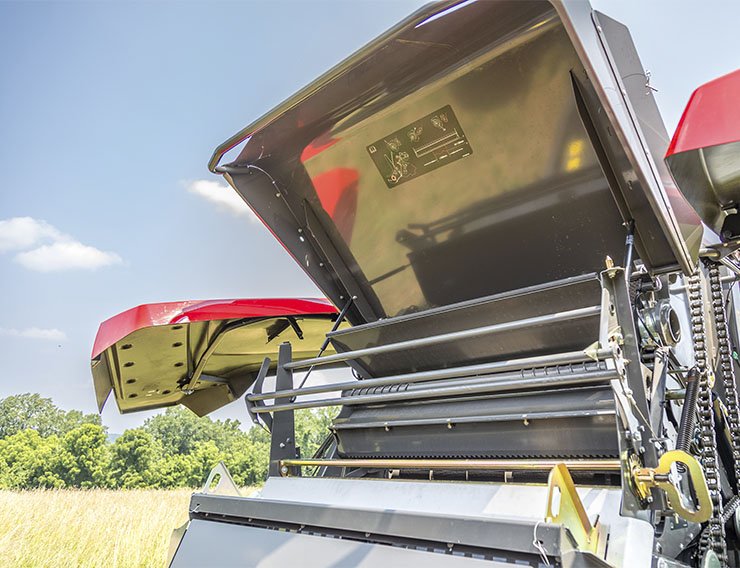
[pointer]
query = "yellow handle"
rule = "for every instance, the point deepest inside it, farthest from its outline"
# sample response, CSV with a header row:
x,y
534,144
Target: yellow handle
x,y
702,509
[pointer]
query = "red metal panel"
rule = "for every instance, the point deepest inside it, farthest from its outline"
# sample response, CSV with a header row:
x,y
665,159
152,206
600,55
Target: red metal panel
x,y
169,313
711,118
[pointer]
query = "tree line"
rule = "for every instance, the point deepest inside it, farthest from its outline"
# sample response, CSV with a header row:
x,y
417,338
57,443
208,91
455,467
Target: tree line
x,y
43,446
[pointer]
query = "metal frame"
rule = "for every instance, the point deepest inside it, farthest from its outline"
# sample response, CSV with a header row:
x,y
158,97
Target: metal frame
x,y
282,440
615,284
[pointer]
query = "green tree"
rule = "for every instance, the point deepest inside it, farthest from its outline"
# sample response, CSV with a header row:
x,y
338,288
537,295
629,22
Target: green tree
x,y
312,428
178,430
204,457
134,458
84,457
175,470
43,446
249,458
26,461
31,411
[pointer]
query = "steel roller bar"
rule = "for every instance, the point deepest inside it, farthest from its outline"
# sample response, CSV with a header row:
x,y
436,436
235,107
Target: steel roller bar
x,y
459,390
445,337
436,374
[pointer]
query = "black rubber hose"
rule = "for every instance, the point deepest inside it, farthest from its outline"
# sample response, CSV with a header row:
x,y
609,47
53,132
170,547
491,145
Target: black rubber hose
x,y
688,415
629,249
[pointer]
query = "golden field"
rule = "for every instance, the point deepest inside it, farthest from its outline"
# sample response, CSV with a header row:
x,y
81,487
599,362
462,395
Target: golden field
x,y
89,528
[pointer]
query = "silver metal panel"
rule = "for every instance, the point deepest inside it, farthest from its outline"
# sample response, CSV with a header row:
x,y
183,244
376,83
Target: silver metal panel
x,y
709,178
630,539
222,545
383,525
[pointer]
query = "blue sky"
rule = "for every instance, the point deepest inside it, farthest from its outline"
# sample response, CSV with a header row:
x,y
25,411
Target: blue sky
x,y
109,113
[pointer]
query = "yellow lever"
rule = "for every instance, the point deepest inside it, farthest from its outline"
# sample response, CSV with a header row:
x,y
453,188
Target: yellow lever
x,y
646,478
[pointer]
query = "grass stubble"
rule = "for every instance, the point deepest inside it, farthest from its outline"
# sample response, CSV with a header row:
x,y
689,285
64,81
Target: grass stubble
x,y
89,528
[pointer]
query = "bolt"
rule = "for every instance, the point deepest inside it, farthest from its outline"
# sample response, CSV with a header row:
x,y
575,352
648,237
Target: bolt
x,y
284,470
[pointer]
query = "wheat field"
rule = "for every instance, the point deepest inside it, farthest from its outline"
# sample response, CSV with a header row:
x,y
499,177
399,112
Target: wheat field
x,y
89,528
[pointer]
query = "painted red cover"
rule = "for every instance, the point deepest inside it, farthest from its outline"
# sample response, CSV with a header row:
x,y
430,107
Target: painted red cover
x,y
711,118
167,313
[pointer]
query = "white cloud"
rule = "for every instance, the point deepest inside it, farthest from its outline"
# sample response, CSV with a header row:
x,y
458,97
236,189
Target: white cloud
x,y
66,255
222,196
19,233
50,249
52,334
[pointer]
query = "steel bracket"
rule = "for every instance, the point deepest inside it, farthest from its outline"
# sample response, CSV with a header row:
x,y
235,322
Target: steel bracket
x,y
571,513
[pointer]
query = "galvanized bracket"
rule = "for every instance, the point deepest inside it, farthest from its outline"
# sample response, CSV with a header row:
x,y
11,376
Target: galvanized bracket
x,y
224,483
570,511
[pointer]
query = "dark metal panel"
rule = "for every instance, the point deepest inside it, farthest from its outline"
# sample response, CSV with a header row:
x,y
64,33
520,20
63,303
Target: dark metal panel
x,y
619,116
564,423
623,54
557,337
446,235
498,74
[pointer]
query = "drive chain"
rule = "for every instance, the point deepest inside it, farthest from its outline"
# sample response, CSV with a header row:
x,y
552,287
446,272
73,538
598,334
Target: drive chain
x,y
714,536
726,366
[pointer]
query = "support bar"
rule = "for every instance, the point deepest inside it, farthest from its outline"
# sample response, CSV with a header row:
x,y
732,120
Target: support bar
x,y
600,465
493,385
445,337
454,372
